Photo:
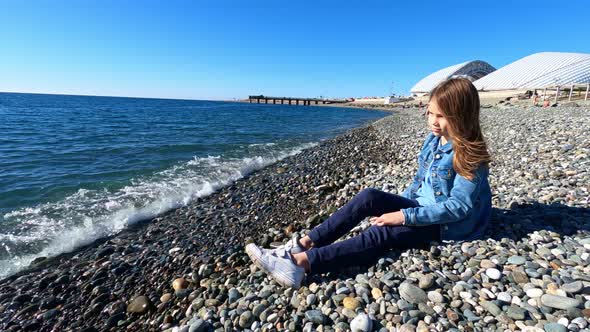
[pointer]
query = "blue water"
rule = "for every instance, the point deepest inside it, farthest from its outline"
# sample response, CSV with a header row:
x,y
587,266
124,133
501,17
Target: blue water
x,y
76,168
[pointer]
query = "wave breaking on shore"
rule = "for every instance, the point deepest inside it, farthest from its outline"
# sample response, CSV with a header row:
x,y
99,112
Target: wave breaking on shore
x,y
59,227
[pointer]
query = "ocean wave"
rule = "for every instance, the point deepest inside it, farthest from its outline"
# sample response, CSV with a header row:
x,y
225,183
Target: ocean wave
x,y
50,229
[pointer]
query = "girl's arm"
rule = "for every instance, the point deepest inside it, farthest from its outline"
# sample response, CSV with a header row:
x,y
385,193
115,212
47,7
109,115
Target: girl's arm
x,y
457,207
419,176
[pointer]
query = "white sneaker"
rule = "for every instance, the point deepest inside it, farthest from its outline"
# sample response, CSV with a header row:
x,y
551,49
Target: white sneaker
x,y
278,264
292,246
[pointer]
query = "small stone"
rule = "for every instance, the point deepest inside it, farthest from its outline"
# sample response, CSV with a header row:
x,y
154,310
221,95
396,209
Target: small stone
x,y
493,273
377,294
179,283
516,260
315,316
520,277
504,297
515,312
165,298
534,292
573,287
452,315
412,293
554,327
342,290
311,299
491,307
487,264
313,287
350,303
258,309
233,295
435,297
580,321
407,328
559,302
361,323
198,326
50,314
246,319
426,281
139,305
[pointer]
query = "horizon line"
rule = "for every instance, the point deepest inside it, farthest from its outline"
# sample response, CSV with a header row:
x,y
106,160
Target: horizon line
x,y
107,96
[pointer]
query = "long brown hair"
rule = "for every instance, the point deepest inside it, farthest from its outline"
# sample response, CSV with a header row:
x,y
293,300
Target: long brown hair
x,y
458,100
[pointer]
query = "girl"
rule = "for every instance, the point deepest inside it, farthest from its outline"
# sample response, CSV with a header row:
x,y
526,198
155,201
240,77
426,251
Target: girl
x,y
448,199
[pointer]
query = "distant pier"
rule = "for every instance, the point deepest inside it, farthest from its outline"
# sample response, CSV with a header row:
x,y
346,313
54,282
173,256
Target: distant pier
x,y
293,100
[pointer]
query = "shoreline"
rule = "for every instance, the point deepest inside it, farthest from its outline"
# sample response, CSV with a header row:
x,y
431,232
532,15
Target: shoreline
x,y
98,286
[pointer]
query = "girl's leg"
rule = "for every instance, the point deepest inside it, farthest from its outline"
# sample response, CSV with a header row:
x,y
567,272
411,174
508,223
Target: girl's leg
x,y
369,202
366,247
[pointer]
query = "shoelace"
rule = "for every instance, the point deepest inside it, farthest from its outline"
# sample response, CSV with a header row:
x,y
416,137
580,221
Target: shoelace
x,y
289,245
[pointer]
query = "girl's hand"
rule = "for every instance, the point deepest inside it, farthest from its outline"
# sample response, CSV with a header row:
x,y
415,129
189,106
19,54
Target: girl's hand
x,y
389,219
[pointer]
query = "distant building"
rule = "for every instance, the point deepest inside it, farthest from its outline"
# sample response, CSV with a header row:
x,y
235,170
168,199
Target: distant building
x,y
537,71
471,70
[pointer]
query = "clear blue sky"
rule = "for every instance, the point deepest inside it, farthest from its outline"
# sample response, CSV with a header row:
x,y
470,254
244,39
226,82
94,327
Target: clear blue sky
x,y
230,49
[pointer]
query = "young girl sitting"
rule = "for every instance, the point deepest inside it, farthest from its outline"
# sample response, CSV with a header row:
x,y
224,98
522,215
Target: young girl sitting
x,y
449,199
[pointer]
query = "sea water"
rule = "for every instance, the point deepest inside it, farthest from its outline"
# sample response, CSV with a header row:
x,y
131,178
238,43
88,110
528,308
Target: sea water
x,y
77,168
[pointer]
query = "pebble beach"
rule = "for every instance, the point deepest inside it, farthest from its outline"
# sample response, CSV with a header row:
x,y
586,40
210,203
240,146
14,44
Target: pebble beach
x,y
187,270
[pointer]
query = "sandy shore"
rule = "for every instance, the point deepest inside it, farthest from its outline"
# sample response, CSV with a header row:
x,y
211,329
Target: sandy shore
x,y
187,271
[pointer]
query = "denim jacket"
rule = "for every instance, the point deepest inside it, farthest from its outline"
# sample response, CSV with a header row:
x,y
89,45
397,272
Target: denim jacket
x,y
463,207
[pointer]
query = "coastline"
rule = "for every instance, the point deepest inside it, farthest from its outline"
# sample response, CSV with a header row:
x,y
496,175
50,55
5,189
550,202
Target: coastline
x,y
203,242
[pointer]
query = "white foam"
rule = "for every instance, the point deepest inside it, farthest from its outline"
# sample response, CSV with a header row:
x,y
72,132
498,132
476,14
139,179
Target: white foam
x,y
54,228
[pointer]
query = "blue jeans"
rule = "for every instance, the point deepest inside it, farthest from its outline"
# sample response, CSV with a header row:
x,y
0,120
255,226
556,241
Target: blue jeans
x,y
365,248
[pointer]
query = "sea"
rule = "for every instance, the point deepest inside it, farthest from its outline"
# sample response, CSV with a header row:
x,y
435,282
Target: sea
x,y
74,169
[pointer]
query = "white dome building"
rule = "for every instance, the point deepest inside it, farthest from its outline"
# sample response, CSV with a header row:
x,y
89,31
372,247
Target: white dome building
x,y
471,70
539,70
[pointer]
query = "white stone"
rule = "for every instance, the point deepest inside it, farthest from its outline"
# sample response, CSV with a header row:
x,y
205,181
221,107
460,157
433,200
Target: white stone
x,y
361,323
504,297
563,321
580,321
488,293
557,251
493,273
516,300
534,292
465,295
520,324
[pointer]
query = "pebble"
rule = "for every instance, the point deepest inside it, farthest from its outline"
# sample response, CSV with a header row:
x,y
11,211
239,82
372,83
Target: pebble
x,y
412,293
361,323
315,316
516,260
573,287
435,297
491,307
559,302
426,281
534,292
493,273
350,303
179,283
515,312
504,297
246,319
554,327
139,305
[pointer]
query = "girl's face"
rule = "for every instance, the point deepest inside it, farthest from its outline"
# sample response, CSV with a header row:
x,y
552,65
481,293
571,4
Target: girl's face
x,y
437,121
